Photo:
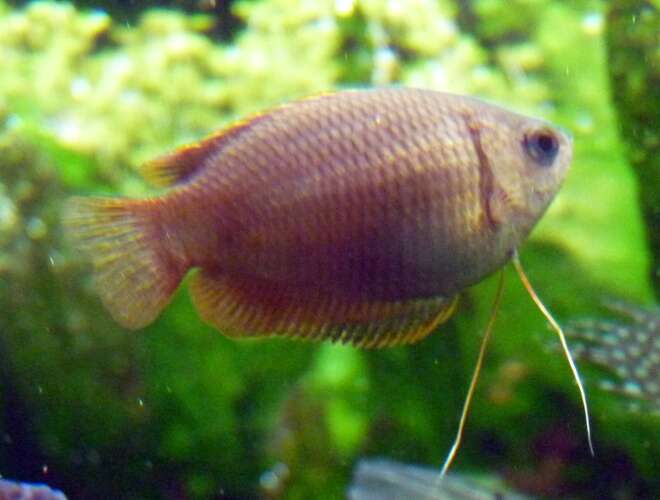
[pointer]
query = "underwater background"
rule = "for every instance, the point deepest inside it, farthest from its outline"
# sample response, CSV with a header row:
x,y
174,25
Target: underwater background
x,y
90,90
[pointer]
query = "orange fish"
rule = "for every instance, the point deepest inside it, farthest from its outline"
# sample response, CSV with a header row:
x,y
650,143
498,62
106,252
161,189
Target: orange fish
x,y
356,216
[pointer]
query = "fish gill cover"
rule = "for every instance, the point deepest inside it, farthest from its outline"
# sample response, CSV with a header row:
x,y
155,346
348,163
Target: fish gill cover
x,y
177,410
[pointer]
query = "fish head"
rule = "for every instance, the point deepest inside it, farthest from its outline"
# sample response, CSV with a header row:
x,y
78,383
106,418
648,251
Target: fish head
x,y
526,160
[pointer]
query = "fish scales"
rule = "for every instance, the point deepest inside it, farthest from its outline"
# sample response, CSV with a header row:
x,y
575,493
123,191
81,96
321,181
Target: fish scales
x,y
298,171
356,216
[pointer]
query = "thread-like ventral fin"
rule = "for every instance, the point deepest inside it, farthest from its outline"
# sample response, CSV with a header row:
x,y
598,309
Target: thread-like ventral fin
x,y
241,307
562,339
132,275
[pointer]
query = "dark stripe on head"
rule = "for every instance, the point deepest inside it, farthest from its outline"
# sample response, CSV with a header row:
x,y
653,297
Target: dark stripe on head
x,y
486,180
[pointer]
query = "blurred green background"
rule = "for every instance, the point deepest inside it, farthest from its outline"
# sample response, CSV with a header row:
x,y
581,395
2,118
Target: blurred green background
x,y
89,90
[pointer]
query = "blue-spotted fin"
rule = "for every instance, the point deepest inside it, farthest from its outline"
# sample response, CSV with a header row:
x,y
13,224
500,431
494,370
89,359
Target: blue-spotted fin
x,y
627,348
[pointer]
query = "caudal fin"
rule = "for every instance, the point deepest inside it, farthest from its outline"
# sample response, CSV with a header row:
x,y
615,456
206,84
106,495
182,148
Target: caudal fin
x,y
133,274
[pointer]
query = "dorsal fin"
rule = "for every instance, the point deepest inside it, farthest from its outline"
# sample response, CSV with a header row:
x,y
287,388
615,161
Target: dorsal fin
x,y
182,163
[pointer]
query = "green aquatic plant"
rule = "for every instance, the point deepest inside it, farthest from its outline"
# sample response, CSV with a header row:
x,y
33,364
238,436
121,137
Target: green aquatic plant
x,y
498,20
102,88
634,69
76,378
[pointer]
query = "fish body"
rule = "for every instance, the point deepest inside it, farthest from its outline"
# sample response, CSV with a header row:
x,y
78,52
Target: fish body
x,y
356,216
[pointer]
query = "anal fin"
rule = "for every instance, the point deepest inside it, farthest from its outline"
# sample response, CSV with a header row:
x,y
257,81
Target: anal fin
x,y
242,307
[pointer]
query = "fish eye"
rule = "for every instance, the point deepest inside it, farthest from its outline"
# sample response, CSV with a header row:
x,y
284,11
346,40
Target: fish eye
x,y
542,146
